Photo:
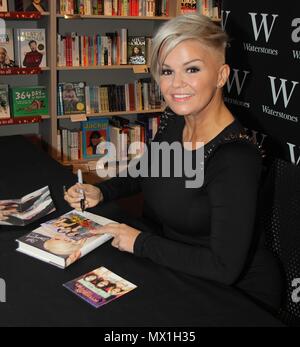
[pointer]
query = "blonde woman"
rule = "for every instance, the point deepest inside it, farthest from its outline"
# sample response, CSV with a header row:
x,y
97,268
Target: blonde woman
x,y
5,61
207,232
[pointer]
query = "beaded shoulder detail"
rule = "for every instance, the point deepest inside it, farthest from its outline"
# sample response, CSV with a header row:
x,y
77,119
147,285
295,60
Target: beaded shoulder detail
x,y
166,116
232,137
229,137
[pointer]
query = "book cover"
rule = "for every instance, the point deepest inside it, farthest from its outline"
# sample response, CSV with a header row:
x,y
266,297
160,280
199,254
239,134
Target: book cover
x,y
7,56
29,101
94,133
73,95
188,6
31,5
137,50
32,49
4,102
3,6
64,240
30,208
100,287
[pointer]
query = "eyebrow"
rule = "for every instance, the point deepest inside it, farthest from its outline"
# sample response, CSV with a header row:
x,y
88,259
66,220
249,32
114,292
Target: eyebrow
x,y
187,63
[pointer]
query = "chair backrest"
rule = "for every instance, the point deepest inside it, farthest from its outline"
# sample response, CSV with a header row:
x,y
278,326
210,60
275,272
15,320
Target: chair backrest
x,y
280,219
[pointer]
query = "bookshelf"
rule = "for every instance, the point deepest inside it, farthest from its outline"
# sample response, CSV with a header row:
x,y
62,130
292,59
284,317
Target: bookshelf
x,y
23,77
52,75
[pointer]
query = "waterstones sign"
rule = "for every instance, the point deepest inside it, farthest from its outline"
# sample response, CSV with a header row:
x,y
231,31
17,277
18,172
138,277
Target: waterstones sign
x,y
262,28
235,86
282,93
263,90
2,291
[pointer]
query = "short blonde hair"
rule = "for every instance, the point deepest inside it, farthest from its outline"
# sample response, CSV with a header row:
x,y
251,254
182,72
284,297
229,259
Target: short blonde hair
x,y
182,28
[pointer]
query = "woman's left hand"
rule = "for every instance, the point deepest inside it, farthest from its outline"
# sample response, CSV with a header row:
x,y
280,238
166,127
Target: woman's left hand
x,y
124,236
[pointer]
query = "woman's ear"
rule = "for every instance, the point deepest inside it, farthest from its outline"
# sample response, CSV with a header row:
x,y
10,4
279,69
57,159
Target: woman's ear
x,y
223,75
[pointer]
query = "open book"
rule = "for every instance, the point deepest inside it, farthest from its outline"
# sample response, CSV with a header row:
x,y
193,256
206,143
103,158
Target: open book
x,y
63,241
30,208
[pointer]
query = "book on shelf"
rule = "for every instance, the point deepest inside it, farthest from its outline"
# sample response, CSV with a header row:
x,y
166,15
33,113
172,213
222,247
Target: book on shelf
x,y
188,6
138,96
136,48
28,209
30,47
4,101
74,146
31,5
65,240
7,55
210,8
144,8
99,287
107,49
29,101
71,96
69,144
94,133
3,6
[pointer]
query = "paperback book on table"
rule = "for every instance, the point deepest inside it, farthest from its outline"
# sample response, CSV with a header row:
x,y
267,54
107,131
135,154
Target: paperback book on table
x,y
28,209
100,287
64,240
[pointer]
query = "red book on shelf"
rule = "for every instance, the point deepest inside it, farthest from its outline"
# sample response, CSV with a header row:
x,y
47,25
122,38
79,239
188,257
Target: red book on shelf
x,y
167,8
120,7
132,100
136,7
85,63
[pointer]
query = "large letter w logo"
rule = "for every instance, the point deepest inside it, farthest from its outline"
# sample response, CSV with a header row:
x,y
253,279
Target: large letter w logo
x,y
236,79
263,24
282,90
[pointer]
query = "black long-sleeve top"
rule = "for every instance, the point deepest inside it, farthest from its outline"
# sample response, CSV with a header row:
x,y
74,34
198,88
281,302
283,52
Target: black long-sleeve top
x,y
208,231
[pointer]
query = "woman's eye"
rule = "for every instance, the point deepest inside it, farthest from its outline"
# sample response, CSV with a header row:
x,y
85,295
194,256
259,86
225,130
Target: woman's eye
x,y
193,70
166,72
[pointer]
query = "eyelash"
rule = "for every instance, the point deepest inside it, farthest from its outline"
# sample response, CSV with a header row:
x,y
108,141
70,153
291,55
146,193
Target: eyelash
x,y
168,72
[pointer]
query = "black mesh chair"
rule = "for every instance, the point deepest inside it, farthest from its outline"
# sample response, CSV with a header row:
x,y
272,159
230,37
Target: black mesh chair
x,y
280,218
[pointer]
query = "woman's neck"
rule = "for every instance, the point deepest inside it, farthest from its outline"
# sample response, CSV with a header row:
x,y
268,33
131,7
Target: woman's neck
x,y
207,125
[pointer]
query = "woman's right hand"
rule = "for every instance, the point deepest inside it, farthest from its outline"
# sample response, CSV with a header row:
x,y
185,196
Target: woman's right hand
x,y
93,196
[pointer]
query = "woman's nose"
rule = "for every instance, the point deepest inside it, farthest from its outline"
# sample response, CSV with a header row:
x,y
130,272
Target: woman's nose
x,y
178,80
